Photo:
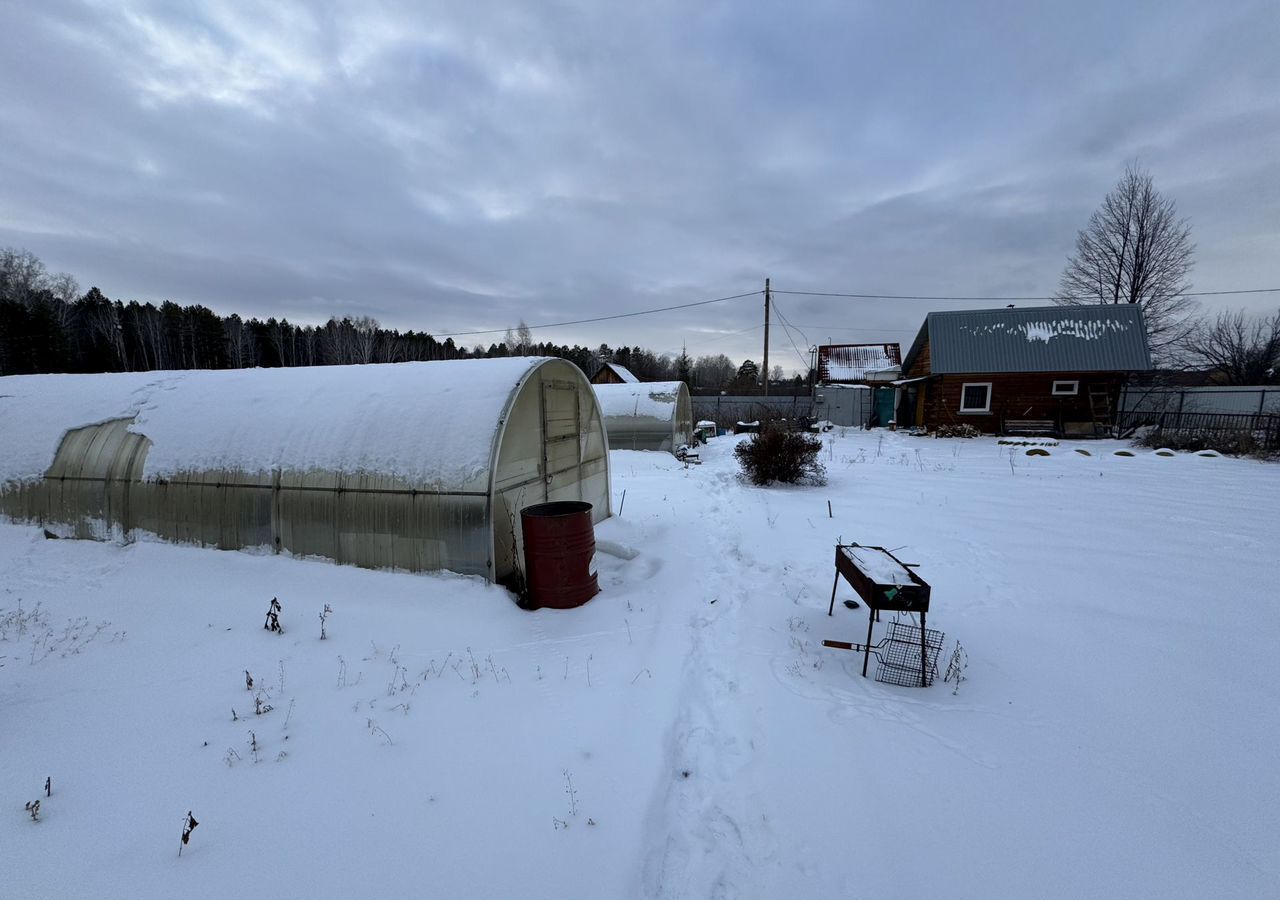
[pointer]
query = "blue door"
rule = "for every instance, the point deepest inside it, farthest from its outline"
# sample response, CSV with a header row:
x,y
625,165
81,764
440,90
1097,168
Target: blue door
x,y
884,405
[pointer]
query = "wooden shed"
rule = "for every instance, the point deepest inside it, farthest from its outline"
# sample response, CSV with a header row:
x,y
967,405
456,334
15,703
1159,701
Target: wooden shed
x,y
1053,369
612,373
414,466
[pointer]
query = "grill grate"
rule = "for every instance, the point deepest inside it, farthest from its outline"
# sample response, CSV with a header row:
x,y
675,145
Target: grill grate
x,y
898,655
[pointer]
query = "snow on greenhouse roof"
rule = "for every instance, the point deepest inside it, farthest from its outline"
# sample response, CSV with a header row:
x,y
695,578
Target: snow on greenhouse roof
x,y
430,423
652,399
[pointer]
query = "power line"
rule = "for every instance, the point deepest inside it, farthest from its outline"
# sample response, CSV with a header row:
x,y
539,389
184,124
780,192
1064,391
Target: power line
x,y
678,306
800,356
856,328
627,315
998,299
798,328
786,327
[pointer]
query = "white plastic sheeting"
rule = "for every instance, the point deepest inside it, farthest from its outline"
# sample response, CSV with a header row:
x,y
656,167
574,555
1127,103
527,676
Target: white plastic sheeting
x,y
407,466
654,415
432,423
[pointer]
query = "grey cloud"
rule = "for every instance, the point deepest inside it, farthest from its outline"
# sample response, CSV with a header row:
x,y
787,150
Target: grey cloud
x,y
448,168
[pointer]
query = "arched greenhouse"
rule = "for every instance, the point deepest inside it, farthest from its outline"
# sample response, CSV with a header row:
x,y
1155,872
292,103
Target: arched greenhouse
x,y
414,466
653,415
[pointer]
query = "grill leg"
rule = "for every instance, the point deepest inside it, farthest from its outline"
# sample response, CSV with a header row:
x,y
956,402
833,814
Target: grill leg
x,y
924,656
835,584
866,652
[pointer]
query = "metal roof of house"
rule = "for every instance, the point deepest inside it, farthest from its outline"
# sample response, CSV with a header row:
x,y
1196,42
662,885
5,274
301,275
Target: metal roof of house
x,y
1102,338
857,362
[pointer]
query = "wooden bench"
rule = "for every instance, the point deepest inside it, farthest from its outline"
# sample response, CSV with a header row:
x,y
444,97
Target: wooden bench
x,y
1030,426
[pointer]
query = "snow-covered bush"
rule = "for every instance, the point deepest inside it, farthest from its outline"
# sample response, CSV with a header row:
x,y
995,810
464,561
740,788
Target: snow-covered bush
x,y
1241,442
776,454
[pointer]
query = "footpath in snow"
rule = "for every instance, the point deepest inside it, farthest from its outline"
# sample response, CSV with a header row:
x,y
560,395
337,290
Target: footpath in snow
x,y
684,734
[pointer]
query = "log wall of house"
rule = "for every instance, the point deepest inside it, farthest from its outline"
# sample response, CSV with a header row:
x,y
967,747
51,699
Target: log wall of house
x,y
1020,395
920,365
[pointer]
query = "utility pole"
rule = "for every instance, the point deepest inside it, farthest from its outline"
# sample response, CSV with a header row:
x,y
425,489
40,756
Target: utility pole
x,y
765,368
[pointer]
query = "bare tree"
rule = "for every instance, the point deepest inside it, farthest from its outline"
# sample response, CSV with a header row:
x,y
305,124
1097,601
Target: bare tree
x,y
365,333
22,275
713,371
280,335
239,342
520,341
1135,249
1237,348
64,287
154,350
65,290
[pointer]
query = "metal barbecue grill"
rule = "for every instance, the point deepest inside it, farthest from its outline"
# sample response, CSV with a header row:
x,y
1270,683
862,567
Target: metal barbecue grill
x,y
908,653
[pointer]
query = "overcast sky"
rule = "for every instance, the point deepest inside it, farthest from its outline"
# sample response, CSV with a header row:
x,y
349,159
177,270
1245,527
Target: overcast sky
x,y
457,166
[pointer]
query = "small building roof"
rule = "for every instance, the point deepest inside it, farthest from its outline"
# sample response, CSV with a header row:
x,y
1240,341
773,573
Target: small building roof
x,y
858,362
1095,338
622,372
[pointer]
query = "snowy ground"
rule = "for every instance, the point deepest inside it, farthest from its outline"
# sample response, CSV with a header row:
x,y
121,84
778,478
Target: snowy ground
x,y
1116,736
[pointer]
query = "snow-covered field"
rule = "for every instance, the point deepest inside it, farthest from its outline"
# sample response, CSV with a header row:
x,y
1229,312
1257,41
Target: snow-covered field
x,y
684,734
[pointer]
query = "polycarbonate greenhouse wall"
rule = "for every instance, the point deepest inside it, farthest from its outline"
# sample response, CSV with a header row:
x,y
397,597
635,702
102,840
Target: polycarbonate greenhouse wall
x,y
652,415
414,466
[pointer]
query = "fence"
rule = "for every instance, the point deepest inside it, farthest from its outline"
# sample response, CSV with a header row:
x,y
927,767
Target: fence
x,y
1217,399
725,410
1226,428
847,405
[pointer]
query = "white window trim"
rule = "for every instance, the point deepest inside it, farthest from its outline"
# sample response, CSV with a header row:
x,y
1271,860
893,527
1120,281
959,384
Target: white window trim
x,y
964,387
1073,385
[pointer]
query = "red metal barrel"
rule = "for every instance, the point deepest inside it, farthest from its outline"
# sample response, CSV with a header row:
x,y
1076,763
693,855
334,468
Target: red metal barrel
x,y
559,542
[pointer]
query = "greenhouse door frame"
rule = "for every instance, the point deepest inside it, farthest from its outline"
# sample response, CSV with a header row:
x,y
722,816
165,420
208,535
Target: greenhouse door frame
x,y
555,460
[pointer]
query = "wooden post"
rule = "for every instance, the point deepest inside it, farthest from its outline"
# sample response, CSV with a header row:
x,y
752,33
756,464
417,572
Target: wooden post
x,y
766,337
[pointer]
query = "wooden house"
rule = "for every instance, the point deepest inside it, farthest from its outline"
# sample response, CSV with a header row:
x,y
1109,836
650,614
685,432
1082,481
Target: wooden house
x,y
612,373
1047,370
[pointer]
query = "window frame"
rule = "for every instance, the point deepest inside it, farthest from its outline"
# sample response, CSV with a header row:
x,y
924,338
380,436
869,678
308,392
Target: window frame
x,y
1074,384
986,410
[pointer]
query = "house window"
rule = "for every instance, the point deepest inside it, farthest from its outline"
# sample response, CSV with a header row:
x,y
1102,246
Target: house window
x,y
975,398
1066,388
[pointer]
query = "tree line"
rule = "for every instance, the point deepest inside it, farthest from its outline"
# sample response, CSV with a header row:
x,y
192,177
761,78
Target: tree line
x,y
48,326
